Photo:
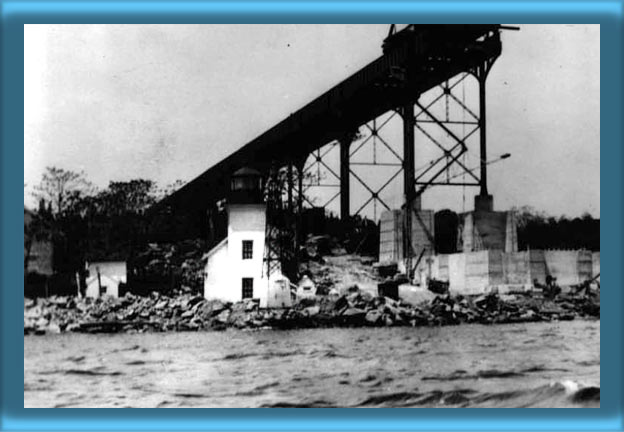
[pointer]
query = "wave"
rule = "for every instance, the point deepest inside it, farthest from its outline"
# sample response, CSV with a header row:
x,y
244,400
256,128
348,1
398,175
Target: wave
x,y
463,375
263,356
258,390
96,371
190,395
557,394
90,372
76,359
238,356
312,404
588,363
491,373
394,399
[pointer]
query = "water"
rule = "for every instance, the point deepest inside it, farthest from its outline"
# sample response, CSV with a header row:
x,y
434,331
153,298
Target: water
x,y
524,365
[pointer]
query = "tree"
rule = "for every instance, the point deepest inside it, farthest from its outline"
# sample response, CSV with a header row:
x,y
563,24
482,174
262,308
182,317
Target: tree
x,y
131,197
526,215
63,189
64,199
167,190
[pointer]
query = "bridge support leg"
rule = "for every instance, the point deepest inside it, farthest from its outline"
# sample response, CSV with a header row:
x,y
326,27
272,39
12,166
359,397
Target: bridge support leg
x,y
345,170
298,220
482,146
484,201
289,180
408,183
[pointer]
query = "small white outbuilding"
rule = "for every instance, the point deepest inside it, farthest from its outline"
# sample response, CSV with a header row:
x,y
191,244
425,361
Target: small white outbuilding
x,y
306,288
279,295
104,278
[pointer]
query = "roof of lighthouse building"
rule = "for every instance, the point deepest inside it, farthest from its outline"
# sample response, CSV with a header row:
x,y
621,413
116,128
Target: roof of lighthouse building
x,y
246,171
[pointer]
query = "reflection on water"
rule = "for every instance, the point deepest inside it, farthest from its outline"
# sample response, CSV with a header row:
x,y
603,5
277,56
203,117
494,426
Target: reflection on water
x,y
523,365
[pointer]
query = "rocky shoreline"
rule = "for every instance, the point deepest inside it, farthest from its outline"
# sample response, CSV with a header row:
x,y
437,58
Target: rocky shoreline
x,y
186,312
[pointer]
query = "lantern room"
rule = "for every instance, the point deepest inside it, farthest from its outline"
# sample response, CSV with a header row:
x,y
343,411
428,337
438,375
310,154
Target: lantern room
x,y
246,187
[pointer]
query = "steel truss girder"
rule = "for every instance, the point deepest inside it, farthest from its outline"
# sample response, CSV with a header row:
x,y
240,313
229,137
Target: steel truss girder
x,y
450,156
319,164
430,176
375,137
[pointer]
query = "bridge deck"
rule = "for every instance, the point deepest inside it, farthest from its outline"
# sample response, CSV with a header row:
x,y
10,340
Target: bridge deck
x,y
415,60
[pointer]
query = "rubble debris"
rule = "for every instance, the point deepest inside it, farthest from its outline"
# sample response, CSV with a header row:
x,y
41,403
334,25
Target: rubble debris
x,y
188,312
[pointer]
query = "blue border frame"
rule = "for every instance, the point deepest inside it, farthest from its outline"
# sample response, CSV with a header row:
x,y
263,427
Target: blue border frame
x,y
608,13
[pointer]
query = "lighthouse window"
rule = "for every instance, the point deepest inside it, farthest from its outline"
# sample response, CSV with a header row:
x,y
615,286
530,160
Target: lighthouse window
x,y
247,288
247,249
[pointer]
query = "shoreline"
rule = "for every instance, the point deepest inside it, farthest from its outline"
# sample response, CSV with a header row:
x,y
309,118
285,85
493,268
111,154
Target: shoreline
x,y
186,312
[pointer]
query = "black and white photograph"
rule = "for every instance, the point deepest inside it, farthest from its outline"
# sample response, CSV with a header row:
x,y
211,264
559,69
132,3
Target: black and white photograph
x,y
311,215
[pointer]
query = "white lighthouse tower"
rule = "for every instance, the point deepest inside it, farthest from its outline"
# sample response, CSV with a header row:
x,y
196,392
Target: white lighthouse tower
x,y
235,267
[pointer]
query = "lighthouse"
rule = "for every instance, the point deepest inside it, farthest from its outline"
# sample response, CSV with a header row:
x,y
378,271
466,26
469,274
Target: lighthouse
x,y
235,267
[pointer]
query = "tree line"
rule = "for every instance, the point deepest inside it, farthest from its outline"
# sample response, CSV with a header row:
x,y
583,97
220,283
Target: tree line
x,y
535,229
85,223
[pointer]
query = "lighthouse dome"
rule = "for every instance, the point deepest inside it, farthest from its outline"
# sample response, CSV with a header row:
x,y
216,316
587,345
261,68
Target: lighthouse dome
x,y
246,186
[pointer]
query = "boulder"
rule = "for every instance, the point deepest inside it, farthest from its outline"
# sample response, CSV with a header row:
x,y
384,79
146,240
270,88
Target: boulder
x,y
251,305
353,316
341,304
53,328
72,327
41,323
223,317
210,308
34,312
350,312
187,314
373,317
353,289
312,310
161,305
307,302
387,320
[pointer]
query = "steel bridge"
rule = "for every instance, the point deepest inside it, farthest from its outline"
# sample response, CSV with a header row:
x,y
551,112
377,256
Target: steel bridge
x,y
415,60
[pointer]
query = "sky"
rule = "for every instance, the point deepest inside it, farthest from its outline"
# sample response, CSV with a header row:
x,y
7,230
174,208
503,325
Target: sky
x,y
166,102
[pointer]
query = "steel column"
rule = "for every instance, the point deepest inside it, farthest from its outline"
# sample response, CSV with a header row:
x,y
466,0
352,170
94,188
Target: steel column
x,y
299,216
289,179
483,148
408,183
345,170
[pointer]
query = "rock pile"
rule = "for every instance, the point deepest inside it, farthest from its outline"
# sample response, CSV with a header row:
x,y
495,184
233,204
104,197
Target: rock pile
x,y
340,272
189,312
